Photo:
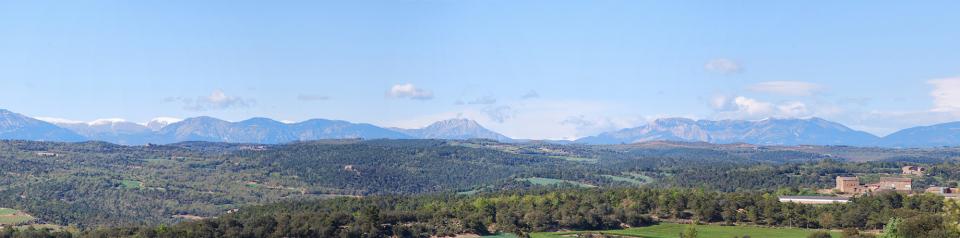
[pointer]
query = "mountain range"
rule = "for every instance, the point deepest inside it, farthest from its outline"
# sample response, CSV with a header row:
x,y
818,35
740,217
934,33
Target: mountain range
x,y
811,131
255,130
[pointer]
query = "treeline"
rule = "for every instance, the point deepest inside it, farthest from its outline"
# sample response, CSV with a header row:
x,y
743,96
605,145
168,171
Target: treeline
x,y
810,175
534,211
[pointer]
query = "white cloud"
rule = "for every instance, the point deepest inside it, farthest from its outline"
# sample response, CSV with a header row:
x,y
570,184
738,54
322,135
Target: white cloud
x,y
217,100
169,120
740,107
789,88
723,66
946,94
409,91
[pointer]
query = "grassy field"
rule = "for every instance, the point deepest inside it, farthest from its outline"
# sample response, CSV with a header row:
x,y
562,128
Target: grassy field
x,y
667,230
575,159
131,184
625,179
7,211
13,217
550,181
502,235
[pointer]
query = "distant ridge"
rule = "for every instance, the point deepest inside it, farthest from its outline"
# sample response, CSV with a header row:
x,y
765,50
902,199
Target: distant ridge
x,y
813,131
456,129
810,131
14,126
944,134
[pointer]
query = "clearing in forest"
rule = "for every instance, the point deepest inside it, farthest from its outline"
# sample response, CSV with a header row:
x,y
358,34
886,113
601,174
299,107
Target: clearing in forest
x,y
13,217
550,181
671,230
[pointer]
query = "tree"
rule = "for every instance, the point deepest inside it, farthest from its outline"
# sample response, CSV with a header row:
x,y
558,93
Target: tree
x,y
951,217
690,232
892,229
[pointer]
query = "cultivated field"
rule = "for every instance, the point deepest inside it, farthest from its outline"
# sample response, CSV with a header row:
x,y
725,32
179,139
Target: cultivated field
x,y
13,217
550,182
667,230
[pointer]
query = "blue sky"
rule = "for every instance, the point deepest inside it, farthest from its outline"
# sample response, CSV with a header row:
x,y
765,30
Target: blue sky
x,y
528,69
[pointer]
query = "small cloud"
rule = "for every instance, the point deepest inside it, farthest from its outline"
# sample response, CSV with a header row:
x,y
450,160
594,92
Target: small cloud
x,y
217,100
740,107
723,66
946,94
312,97
409,91
499,114
485,100
789,88
530,94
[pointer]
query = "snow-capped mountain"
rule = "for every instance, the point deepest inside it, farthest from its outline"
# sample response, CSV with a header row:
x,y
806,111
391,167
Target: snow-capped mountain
x,y
14,126
160,122
113,130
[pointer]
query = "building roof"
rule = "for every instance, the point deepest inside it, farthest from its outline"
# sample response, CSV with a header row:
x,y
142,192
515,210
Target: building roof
x,y
847,178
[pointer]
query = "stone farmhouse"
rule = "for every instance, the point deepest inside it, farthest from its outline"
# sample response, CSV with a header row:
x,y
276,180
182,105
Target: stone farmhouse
x,y
851,185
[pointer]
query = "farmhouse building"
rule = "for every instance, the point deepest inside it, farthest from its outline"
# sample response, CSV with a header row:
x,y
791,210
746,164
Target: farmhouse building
x,y
952,193
897,184
851,185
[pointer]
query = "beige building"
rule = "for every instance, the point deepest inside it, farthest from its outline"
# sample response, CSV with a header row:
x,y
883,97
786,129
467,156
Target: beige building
x,y
952,193
889,183
851,185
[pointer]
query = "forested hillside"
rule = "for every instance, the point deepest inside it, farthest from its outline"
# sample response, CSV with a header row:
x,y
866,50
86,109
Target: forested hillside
x,y
92,184
537,211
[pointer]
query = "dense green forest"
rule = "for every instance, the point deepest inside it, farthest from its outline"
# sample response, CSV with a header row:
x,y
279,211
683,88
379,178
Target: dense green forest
x,y
523,212
93,184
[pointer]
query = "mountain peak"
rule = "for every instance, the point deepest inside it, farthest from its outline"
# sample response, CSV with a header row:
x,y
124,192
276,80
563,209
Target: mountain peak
x,y
158,123
456,122
455,128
